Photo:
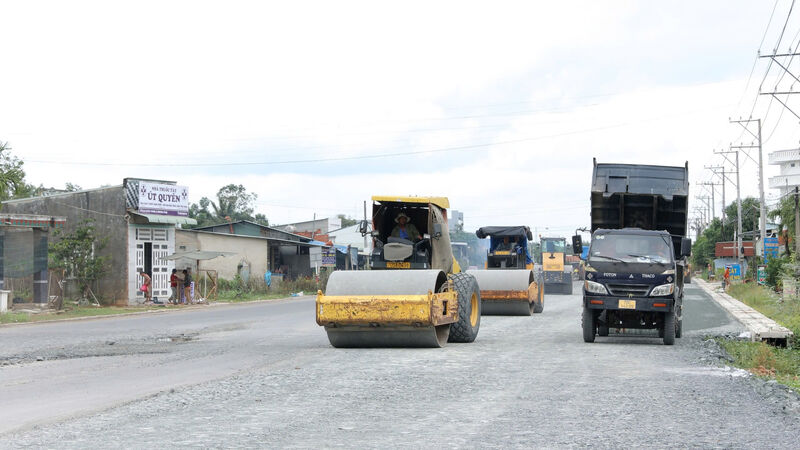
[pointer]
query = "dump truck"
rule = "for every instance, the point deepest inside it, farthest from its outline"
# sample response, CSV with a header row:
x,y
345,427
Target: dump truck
x,y
415,295
635,266
557,273
509,285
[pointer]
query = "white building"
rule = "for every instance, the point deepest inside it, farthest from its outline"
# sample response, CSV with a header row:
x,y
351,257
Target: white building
x,y
789,162
455,219
322,226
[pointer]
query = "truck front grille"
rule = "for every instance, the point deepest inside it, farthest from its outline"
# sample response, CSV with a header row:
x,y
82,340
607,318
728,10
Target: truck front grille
x,y
623,290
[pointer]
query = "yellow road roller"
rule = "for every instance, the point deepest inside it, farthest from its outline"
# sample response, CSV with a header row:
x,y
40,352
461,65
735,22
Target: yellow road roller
x,y
509,285
415,295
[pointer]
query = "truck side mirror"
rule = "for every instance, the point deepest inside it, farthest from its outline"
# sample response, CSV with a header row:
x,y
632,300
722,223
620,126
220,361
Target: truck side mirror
x,y
577,244
686,247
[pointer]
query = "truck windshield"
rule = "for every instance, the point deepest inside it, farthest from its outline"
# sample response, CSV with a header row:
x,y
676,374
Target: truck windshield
x,y
630,248
554,246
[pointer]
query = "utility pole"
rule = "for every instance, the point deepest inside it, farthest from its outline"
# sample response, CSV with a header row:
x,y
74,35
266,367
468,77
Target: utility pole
x,y
762,219
713,199
720,172
738,202
705,211
796,222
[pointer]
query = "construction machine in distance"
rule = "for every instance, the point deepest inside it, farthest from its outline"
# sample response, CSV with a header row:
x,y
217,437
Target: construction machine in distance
x,y
509,285
415,295
557,274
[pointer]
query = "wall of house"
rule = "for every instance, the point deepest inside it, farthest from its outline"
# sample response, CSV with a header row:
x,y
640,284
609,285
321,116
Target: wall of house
x,y
246,249
106,206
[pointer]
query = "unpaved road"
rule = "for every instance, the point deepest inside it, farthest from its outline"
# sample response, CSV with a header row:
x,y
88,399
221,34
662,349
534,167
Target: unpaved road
x,y
263,375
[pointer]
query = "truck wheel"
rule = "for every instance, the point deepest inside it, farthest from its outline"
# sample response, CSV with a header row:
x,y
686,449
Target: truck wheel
x,y
669,328
469,308
538,304
679,329
589,323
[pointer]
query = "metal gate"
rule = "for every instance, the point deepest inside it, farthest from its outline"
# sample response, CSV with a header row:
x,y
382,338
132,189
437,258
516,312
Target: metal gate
x,y
152,245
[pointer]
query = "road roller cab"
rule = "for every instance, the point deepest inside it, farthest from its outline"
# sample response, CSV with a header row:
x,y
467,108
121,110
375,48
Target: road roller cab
x,y
410,232
415,295
509,285
508,247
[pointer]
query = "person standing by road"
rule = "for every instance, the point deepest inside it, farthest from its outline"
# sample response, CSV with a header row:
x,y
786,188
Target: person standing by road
x,y
726,278
187,286
173,285
146,281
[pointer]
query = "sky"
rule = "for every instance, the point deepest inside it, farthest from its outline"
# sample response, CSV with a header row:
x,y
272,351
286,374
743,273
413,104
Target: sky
x,y
317,106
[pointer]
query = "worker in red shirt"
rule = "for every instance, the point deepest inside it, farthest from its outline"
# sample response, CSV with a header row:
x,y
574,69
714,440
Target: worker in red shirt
x,y
726,278
173,285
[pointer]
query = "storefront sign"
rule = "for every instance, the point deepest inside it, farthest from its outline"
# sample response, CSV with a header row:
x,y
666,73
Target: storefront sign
x,y
329,257
164,199
762,274
736,272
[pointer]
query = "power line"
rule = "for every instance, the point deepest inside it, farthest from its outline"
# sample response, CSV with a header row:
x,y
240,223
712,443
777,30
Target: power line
x,y
755,60
769,66
364,157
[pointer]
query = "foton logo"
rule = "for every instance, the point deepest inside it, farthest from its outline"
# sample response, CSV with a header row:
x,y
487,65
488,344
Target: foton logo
x,y
609,275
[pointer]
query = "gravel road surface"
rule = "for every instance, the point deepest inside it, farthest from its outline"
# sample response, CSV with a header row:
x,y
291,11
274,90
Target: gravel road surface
x,y
263,375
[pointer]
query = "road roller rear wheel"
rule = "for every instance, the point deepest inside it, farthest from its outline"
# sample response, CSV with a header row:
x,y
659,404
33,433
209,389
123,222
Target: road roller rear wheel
x,y
469,308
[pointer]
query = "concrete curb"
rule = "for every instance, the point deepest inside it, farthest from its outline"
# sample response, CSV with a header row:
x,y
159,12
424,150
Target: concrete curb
x,y
761,327
197,307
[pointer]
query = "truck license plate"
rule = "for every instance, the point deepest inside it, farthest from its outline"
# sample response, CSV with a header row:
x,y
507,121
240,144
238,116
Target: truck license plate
x,y
398,265
627,304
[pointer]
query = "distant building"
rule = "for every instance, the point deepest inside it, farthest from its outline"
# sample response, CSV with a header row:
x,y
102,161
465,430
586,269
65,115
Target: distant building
x,y
139,219
323,226
276,250
455,220
789,162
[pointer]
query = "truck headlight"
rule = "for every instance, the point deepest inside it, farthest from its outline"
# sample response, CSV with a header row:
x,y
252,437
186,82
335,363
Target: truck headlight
x,y
664,289
594,288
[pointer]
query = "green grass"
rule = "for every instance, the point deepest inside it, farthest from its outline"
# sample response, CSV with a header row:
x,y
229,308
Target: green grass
x,y
72,311
780,364
766,361
767,302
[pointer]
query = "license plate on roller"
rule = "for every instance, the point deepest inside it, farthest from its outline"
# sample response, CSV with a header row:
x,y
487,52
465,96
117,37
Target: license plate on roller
x,y
627,304
398,265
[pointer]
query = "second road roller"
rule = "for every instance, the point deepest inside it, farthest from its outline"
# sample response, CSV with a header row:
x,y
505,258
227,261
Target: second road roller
x,y
415,295
509,285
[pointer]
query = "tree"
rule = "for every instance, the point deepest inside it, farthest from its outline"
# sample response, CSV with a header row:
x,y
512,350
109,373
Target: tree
x,y
76,253
750,211
200,212
347,221
703,248
262,219
784,212
12,175
233,203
